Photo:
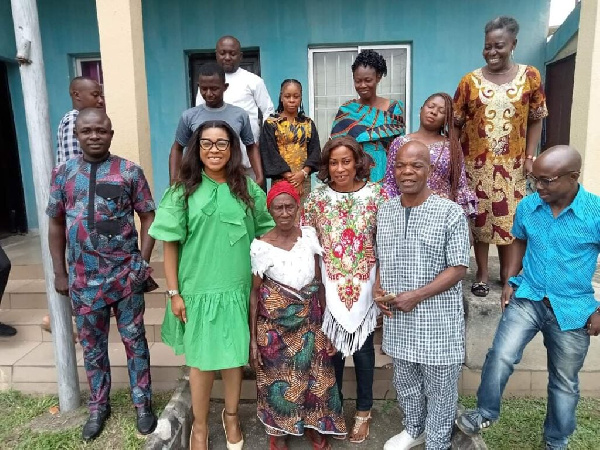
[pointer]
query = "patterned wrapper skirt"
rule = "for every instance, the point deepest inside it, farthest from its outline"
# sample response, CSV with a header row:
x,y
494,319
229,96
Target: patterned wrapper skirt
x,y
296,382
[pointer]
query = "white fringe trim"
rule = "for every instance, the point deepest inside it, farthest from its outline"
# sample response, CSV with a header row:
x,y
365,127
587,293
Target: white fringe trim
x,y
349,343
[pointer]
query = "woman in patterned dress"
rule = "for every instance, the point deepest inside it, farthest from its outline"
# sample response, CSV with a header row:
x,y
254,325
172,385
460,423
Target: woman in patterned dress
x,y
372,120
447,177
343,210
499,109
289,142
295,379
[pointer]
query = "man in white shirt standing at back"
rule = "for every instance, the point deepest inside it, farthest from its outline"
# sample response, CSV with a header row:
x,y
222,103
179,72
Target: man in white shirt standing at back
x,y
246,90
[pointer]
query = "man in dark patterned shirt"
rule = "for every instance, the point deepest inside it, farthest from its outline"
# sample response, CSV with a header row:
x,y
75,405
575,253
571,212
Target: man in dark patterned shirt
x,y
92,202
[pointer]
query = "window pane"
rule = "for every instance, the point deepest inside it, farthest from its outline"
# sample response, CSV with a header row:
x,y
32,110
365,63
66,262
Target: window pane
x,y
91,69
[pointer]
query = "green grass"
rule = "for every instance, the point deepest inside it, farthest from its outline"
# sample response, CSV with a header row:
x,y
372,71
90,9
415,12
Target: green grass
x,y
19,410
522,420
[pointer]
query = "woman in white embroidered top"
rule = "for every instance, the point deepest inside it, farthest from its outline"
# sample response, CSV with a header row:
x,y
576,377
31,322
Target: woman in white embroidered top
x,y
343,210
295,378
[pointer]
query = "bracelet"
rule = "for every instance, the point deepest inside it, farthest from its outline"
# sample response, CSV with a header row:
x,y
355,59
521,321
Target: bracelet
x,y
306,174
531,157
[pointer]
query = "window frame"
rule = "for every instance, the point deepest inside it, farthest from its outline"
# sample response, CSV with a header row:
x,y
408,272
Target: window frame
x,y
78,59
359,48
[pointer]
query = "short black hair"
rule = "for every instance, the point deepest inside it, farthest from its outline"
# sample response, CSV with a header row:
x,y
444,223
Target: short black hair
x,y
210,69
370,58
503,23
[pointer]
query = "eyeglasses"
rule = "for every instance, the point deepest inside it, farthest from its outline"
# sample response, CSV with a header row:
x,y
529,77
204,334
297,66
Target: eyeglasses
x,y
546,182
220,144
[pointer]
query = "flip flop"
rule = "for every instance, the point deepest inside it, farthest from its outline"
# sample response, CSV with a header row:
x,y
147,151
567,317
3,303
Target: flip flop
x,y
480,289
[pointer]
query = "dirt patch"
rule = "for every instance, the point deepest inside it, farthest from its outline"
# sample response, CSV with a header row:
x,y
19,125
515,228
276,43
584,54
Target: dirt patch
x,y
48,422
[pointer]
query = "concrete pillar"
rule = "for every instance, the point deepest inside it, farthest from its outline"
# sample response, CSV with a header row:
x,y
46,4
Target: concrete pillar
x,y
585,114
122,47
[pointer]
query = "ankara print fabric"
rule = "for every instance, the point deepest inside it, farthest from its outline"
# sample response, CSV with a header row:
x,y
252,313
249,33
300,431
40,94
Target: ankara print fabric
x,y
372,127
296,382
98,201
494,122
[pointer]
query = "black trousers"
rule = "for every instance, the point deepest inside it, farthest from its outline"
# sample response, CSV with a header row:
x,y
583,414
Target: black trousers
x,y
4,272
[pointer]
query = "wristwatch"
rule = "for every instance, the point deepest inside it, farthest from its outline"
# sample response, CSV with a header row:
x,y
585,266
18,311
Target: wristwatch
x,y
172,292
306,174
531,157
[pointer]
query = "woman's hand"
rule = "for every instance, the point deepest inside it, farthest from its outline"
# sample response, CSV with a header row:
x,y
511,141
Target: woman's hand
x,y
178,308
255,356
377,293
297,179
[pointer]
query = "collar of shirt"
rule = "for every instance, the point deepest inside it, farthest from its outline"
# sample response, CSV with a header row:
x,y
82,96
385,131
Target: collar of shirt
x,y
577,205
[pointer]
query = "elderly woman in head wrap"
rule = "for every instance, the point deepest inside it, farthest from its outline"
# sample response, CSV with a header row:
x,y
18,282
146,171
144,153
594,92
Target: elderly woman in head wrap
x,y
291,355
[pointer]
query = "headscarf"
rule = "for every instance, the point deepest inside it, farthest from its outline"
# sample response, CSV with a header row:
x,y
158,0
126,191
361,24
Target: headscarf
x,y
282,187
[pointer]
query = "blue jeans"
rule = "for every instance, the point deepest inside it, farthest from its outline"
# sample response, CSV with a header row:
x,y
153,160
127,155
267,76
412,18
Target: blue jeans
x,y
566,351
364,368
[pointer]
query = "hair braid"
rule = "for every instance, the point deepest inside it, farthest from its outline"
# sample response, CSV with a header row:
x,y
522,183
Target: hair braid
x,y
448,130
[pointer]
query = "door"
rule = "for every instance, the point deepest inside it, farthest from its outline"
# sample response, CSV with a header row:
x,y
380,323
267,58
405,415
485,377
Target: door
x,y
250,62
13,217
560,77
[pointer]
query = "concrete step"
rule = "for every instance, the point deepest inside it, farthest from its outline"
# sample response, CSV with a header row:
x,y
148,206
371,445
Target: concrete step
x,y
31,294
30,367
27,322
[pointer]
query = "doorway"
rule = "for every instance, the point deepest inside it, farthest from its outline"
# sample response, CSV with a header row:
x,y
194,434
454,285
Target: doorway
x,y
560,78
13,218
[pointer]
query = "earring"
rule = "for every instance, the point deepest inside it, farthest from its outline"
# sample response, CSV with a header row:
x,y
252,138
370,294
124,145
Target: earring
x,y
512,54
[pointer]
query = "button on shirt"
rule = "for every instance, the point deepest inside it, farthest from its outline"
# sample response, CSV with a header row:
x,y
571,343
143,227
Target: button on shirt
x,y
98,201
561,255
414,248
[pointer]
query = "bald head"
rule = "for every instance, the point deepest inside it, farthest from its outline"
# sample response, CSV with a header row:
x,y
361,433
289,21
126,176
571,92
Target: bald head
x,y
229,53
229,38
86,93
93,114
414,149
411,172
560,159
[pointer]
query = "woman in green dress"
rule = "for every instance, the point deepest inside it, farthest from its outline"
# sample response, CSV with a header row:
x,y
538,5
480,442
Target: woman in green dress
x,y
207,221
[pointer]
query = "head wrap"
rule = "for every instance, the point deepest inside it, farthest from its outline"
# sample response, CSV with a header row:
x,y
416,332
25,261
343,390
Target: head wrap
x,y
282,187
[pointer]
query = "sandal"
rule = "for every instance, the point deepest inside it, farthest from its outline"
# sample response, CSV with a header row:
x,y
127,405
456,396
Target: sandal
x,y
359,421
322,444
273,443
231,446
480,289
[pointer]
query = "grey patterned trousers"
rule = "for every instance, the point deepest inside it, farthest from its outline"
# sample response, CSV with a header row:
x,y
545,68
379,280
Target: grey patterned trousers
x,y
428,396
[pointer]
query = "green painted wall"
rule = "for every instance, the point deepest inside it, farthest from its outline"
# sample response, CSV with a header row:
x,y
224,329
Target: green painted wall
x,y
446,36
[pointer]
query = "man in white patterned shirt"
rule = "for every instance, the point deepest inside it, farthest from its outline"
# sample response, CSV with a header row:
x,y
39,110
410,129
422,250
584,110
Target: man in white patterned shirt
x,y
85,93
423,250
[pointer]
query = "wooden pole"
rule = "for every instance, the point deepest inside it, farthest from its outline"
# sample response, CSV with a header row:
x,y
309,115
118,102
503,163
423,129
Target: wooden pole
x,y
35,94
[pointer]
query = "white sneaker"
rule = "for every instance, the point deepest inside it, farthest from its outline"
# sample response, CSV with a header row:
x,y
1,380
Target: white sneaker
x,y
403,441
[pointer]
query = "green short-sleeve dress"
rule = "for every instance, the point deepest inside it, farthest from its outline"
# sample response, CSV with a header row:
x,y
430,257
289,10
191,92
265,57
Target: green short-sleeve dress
x,y
214,234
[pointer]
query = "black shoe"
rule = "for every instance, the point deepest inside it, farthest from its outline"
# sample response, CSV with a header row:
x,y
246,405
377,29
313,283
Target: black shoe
x,y
95,424
146,420
7,330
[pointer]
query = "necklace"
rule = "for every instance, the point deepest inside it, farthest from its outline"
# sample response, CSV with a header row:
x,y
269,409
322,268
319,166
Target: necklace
x,y
499,73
